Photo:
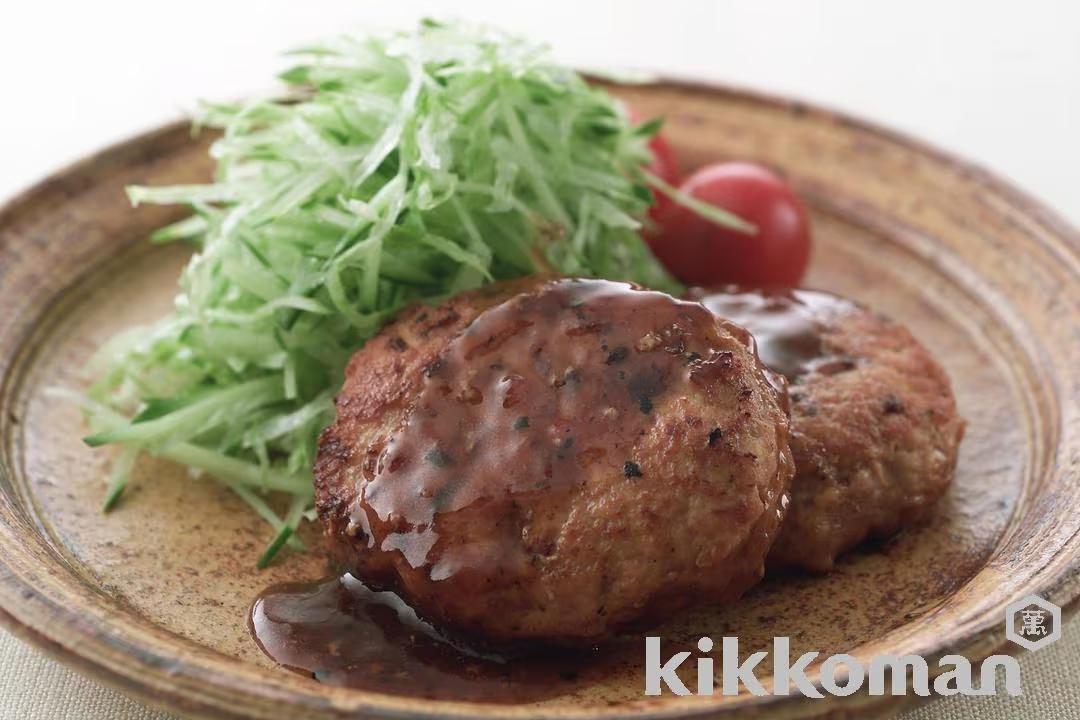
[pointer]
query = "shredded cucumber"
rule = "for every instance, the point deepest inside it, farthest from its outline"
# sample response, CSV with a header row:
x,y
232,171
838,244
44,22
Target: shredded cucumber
x,y
396,168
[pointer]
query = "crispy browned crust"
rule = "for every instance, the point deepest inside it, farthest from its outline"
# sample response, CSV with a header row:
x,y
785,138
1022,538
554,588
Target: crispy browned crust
x,y
577,566
875,436
379,382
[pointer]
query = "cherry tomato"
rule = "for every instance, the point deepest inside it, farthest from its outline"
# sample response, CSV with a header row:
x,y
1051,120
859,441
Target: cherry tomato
x,y
663,165
700,252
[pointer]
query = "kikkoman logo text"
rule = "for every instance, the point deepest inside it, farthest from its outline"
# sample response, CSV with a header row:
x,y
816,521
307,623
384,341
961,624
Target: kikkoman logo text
x,y
1031,622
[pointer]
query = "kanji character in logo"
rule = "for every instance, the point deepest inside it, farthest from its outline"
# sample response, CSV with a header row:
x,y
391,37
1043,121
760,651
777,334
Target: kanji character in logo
x,y
1032,622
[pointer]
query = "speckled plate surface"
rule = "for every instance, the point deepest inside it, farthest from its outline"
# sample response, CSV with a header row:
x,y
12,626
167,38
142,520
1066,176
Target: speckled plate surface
x,y
153,598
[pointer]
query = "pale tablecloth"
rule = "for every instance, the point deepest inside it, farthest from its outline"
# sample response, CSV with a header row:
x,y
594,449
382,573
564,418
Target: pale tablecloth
x,y
36,688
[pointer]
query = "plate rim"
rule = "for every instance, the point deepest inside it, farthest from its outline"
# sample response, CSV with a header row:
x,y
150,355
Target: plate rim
x,y
24,608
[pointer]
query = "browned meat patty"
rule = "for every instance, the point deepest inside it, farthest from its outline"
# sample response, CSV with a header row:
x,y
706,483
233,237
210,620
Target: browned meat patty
x,y
555,464
874,426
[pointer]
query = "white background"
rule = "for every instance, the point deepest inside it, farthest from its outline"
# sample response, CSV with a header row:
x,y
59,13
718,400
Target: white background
x,y
997,81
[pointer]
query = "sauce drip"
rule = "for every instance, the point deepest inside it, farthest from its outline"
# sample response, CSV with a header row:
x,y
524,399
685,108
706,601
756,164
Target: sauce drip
x,y
340,632
786,324
534,391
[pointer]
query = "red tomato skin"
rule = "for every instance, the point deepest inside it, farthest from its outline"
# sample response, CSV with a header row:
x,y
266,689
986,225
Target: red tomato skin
x,y
666,167
700,252
664,164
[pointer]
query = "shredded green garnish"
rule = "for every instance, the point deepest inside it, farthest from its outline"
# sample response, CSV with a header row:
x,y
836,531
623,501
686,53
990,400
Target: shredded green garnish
x,y
398,168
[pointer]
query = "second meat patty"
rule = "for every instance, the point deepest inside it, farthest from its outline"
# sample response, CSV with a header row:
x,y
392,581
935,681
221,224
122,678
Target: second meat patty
x,y
874,426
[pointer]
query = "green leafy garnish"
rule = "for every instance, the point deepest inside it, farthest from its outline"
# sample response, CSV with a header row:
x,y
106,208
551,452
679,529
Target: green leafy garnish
x,y
397,168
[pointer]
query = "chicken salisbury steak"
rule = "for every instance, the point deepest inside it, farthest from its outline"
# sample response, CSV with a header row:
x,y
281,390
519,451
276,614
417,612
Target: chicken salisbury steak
x,y
874,426
557,463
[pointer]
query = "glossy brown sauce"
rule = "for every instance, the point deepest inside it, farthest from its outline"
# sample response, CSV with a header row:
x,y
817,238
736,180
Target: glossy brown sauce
x,y
786,324
517,404
339,632
535,389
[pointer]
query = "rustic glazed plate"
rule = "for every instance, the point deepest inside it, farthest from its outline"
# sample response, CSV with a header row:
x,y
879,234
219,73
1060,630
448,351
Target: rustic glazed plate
x,y
153,598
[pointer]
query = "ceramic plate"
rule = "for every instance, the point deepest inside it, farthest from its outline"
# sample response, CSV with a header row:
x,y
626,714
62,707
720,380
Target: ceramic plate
x,y
153,598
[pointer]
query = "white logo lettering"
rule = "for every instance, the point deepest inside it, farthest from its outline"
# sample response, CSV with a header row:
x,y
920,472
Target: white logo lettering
x,y
898,667
784,672
734,672
655,672
840,675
